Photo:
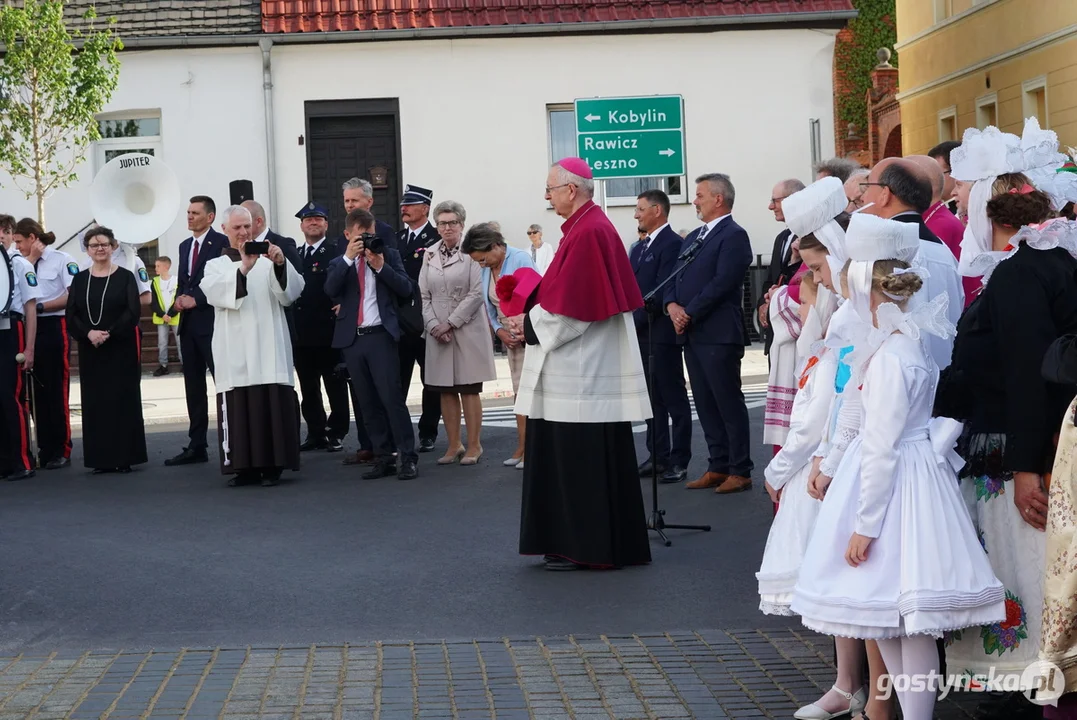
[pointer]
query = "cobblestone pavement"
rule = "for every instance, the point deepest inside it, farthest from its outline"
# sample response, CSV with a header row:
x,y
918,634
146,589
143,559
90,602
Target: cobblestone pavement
x,y
707,675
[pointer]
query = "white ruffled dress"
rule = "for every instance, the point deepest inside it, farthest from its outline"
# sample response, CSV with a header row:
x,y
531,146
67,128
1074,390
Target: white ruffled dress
x,y
789,470
926,572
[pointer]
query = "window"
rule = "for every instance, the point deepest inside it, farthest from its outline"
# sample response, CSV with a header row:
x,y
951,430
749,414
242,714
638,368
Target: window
x,y
987,111
948,124
943,10
562,123
1034,99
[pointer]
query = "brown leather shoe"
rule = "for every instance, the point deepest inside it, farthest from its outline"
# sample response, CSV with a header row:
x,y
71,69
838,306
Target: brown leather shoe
x,y
362,457
709,480
734,483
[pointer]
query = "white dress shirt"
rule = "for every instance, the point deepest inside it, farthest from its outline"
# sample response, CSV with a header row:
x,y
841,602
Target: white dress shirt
x,y
310,248
190,256
55,271
371,314
653,235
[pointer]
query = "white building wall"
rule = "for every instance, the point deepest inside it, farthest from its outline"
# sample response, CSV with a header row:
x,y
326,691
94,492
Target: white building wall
x,y
473,112
212,132
473,119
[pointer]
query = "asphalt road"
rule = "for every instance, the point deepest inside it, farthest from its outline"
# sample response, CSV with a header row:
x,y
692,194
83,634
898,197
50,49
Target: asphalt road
x,y
168,557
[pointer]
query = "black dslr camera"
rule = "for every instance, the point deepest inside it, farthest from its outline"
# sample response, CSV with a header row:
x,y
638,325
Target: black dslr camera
x,y
373,243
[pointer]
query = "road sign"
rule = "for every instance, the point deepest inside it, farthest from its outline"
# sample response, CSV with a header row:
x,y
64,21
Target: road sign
x,y
632,136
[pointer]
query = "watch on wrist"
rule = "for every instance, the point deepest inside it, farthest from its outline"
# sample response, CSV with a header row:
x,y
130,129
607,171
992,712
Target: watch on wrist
x,y
40,308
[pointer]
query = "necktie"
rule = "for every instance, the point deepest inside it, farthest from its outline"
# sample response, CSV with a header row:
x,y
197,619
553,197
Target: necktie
x,y
360,268
194,255
413,238
310,252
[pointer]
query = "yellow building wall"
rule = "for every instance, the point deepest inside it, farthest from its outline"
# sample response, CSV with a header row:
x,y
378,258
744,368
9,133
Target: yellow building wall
x,y
997,28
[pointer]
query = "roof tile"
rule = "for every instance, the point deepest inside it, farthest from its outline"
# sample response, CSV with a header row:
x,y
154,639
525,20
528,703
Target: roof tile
x,y
172,17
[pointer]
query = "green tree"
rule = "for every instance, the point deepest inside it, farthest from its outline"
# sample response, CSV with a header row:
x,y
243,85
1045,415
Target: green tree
x,y
872,28
50,93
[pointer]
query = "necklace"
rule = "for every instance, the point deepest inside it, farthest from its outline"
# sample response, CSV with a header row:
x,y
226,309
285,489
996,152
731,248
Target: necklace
x,y
101,312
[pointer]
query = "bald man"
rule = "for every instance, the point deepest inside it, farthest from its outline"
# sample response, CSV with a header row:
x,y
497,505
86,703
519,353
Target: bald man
x,y
938,217
900,189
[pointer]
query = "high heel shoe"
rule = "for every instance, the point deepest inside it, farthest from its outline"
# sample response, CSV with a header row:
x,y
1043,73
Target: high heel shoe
x,y
513,461
450,458
471,459
857,701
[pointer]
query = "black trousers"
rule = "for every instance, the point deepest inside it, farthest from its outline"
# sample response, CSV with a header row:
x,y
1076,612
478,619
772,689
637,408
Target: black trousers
x,y
669,397
197,358
15,436
373,364
715,374
52,368
412,351
315,366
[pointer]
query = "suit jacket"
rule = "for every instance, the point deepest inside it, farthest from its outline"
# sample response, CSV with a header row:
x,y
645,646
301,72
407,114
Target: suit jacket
x,y
342,287
780,270
710,288
917,219
199,319
515,258
291,254
651,267
315,320
412,253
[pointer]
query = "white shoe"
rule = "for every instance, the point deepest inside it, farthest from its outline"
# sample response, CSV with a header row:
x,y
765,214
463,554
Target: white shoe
x,y
512,462
857,701
520,465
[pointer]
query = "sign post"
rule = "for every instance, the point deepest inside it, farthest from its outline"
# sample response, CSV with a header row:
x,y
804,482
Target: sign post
x,y
631,137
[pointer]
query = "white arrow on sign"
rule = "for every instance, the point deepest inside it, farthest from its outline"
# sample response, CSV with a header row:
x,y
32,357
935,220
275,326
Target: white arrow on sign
x,y
668,152
592,118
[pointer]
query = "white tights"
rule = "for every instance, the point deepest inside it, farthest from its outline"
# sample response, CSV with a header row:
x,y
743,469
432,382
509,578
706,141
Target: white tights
x,y
912,656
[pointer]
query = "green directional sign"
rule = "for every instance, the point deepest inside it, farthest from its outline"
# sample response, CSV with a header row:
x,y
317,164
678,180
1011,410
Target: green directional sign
x,y
632,136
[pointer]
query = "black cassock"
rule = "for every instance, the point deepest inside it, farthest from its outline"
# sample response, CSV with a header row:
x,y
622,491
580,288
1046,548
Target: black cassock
x,y
113,433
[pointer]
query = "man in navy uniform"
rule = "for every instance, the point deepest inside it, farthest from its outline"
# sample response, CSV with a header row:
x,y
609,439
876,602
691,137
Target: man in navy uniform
x,y
196,322
368,287
315,358
653,259
704,304
418,234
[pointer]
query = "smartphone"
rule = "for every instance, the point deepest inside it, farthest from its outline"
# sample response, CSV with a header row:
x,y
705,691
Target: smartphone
x,y
256,248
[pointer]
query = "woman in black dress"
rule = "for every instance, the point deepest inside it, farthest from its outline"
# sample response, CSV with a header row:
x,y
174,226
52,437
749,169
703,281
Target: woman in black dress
x,y
102,316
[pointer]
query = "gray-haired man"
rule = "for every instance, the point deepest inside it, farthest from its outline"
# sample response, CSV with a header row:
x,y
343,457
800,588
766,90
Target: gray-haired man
x,y
359,194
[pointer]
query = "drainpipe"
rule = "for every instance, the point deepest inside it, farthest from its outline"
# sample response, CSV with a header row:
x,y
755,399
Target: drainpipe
x,y
266,44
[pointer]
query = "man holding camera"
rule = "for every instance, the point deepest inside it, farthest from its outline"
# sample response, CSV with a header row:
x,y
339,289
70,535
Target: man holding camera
x,y
249,286
315,358
367,282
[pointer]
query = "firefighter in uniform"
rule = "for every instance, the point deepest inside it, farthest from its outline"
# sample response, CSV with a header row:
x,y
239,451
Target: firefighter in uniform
x,y
315,359
418,234
16,463
55,270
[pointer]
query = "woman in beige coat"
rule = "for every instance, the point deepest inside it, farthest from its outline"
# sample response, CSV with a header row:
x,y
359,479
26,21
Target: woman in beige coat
x,y
459,348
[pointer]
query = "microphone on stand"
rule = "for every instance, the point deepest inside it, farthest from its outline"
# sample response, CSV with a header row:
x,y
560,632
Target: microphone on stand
x,y
691,249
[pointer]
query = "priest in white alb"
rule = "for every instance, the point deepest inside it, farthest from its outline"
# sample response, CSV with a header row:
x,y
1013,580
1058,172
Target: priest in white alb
x,y
257,408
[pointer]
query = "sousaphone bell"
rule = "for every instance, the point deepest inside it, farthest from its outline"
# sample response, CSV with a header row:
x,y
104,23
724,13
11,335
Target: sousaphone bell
x,y
137,196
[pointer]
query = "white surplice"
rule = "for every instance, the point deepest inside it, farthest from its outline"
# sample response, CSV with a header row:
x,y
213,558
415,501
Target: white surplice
x,y
251,343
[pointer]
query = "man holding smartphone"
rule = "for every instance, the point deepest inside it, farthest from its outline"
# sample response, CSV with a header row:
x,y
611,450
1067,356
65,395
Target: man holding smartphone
x,y
249,286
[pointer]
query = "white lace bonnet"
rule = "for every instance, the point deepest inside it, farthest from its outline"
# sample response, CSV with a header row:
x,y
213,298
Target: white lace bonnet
x,y
869,239
812,211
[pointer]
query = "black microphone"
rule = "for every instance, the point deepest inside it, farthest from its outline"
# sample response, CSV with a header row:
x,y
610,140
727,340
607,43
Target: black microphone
x,y
693,248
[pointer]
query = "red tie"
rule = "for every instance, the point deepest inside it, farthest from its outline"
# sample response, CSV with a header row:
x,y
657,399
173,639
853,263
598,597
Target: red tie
x,y
360,267
194,255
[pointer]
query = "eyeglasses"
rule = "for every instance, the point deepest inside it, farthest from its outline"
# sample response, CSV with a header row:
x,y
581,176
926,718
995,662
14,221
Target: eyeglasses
x,y
532,232
556,187
775,201
97,246
867,184
449,223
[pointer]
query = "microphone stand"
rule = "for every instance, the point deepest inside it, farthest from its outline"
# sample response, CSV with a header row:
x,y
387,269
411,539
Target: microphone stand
x,y
657,521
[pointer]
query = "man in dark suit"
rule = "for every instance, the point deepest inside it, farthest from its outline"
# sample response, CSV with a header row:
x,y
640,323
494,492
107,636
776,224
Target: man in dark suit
x,y
784,260
196,322
366,284
653,259
315,358
704,304
418,234
261,232
359,195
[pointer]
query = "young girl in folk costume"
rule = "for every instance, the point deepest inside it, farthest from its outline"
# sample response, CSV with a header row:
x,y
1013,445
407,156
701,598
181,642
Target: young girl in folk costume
x,y
894,556
809,210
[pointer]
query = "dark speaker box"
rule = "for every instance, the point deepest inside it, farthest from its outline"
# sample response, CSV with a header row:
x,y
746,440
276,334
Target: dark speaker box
x,y
240,191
